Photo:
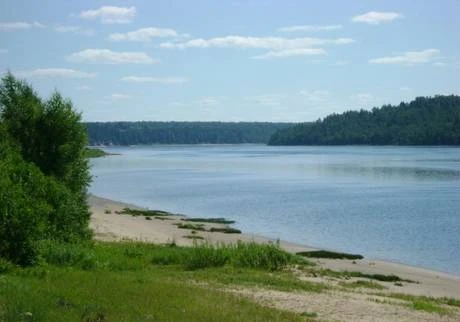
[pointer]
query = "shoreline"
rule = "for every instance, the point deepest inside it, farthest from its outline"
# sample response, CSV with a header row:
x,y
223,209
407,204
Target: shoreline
x,y
115,227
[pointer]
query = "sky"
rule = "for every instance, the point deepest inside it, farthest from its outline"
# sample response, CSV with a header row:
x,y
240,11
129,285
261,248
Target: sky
x,y
232,60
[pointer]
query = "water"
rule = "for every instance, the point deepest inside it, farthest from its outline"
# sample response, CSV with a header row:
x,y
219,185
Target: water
x,y
394,203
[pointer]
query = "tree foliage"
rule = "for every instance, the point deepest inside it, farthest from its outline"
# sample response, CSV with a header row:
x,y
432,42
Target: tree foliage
x,y
131,133
424,121
43,173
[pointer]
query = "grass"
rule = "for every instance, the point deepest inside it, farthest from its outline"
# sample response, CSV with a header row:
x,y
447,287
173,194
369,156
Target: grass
x,y
377,277
101,281
329,254
363,284
309,314
211,220
428,307
193,237
225,230
119,282
143,212
380,277
198,227
241,255
425,303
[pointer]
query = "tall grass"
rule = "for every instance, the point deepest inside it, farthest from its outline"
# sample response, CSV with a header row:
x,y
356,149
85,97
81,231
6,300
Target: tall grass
x,y
243,255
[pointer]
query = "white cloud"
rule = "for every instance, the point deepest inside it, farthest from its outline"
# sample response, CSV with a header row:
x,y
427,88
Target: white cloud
x,y
3,51
268,100
409,57
75,30
310,28
291,53
375,18
362,97
273,43
439,64
155,80
110,14
208,101
11,26
119,96
83,88
106,56
54,72
315,96
404,88
144,34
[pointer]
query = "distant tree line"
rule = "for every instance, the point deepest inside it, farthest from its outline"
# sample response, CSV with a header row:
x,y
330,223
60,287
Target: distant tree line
x,y
423,121
132,133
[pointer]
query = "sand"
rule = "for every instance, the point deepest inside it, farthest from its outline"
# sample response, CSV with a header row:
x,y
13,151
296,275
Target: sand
x,y
114,227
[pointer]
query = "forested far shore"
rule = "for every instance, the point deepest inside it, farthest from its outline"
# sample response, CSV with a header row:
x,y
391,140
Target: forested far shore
x,y
132,133
423,121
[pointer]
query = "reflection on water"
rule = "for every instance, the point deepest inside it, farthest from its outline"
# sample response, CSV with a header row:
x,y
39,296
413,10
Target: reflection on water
x,y
385,202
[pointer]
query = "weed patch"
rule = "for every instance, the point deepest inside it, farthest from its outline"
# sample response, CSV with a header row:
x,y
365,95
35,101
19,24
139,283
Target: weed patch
x,y
329,254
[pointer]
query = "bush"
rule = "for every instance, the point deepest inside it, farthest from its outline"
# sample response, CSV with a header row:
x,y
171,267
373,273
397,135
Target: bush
x,y
23,209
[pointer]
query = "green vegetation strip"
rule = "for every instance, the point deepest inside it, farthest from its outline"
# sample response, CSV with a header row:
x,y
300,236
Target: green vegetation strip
x,y
377,277
211,220
143,212
75,282
329,254
225,230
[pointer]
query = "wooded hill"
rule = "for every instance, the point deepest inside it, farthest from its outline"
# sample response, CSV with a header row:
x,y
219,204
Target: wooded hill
x,y
424,121
132,133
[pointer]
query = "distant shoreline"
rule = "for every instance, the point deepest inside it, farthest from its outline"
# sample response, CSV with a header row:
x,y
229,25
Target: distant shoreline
x,y
115,227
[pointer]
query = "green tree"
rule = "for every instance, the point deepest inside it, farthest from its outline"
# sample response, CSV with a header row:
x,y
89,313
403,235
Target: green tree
x,y
43,171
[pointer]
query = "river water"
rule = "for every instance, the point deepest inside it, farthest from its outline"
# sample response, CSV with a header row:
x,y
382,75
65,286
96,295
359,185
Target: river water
x,y
394,203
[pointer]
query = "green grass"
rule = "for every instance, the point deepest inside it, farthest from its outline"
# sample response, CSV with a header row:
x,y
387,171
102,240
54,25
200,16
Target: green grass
x,y
193,237
329,254
377,277
211,220
363,284
241,255
73,295
421,302
143,212
225,230
198,227
309,314
143,282
428,307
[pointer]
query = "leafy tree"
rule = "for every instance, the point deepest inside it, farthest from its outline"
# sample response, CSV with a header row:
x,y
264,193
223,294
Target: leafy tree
x,y
49,134
43,172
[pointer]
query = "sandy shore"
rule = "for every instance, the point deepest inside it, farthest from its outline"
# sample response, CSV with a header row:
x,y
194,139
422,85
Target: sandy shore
x,y
113,227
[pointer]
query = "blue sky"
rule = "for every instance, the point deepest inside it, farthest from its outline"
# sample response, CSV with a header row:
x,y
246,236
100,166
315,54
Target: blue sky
x,y
234,60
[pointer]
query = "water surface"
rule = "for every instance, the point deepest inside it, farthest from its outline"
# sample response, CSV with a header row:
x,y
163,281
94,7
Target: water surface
x,y
394,203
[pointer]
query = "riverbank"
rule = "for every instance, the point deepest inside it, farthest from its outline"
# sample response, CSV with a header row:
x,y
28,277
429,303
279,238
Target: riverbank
x,y
110,226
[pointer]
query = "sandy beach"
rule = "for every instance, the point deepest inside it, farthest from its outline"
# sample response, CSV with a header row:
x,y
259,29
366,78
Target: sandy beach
x,y
114,227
